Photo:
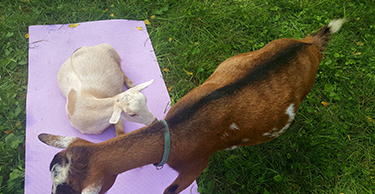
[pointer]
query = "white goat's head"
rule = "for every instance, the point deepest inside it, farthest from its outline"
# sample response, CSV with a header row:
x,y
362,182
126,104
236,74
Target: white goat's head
x,y
131,105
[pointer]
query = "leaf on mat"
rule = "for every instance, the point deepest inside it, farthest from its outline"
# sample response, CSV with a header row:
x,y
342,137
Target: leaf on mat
x,y
169,88
189,73
27,35
139,28
324,103
73,25
166,70
147,22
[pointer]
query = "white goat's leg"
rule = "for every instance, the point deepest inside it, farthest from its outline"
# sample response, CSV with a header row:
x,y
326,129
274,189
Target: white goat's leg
x,y
128,82
119,128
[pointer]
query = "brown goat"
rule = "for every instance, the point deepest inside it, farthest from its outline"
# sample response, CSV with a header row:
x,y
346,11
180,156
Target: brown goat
x,y
251,98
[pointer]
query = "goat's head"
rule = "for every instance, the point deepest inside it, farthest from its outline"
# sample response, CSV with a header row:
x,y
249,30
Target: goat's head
x,y
131,105
70,168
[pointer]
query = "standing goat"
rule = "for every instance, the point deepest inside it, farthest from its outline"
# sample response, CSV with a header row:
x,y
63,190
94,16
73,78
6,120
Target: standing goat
x,y
91,80
251,98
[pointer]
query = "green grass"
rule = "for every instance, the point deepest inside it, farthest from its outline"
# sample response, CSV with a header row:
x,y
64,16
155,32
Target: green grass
x,y
327,149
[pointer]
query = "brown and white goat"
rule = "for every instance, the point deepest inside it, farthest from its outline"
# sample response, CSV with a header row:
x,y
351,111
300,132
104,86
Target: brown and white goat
x,y
91,80
251,98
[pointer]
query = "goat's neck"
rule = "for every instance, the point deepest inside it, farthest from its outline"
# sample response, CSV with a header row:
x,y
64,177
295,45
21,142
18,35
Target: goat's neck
x,y
132,150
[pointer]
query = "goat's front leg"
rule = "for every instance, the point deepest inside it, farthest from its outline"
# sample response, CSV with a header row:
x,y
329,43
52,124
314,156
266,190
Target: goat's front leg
x,y
119,128
187,174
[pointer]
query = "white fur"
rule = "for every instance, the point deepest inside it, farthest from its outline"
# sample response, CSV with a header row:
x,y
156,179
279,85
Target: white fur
x,y
231,148
60,173
234,126
94,78
275,132
92,189
62,142
335,25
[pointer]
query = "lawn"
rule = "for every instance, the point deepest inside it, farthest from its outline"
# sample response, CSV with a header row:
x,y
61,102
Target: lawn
x,y
329,148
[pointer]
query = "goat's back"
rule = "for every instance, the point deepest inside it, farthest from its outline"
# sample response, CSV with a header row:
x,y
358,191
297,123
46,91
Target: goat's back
x,y
95,70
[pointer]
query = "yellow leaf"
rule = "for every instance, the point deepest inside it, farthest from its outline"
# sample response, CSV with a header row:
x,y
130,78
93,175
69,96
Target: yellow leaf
x,y
169,88
27,35
189,73
196,43
349,137
355,54
73,25
18,123
369,119
324,103
166,70
112,15
147,22
359,43
170,39
106,10
153,17
9,132
139,28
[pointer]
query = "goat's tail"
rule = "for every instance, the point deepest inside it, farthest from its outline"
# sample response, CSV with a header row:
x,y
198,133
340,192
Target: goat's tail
x,y
322,36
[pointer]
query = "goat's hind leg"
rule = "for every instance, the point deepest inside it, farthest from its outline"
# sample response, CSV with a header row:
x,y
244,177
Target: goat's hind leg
x,y
128,82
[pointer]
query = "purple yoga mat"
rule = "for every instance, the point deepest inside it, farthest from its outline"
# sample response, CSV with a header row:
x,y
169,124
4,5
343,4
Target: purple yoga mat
x,y
50,46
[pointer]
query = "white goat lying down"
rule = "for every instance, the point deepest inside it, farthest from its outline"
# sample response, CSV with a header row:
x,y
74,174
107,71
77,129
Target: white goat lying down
x,y
92,82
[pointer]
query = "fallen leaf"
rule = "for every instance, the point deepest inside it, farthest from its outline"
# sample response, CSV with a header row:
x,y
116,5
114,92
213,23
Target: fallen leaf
x,y
189,73
169,88
196,43
139,28
359,43
166,70
369,119
27,35
147,22
324,103
355,54
153,17
73,25
112,15
106,10
9,132
349,137
170,39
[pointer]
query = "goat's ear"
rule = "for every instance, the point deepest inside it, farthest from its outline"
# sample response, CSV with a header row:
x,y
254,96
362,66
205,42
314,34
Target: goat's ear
x,y
115,118
142,86
56,140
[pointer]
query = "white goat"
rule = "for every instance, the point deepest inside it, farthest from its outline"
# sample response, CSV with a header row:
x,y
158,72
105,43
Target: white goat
x,y
92,82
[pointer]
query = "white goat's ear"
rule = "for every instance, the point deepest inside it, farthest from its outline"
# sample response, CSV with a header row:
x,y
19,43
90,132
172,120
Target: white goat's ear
x,y
142,86
56,140
115,118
